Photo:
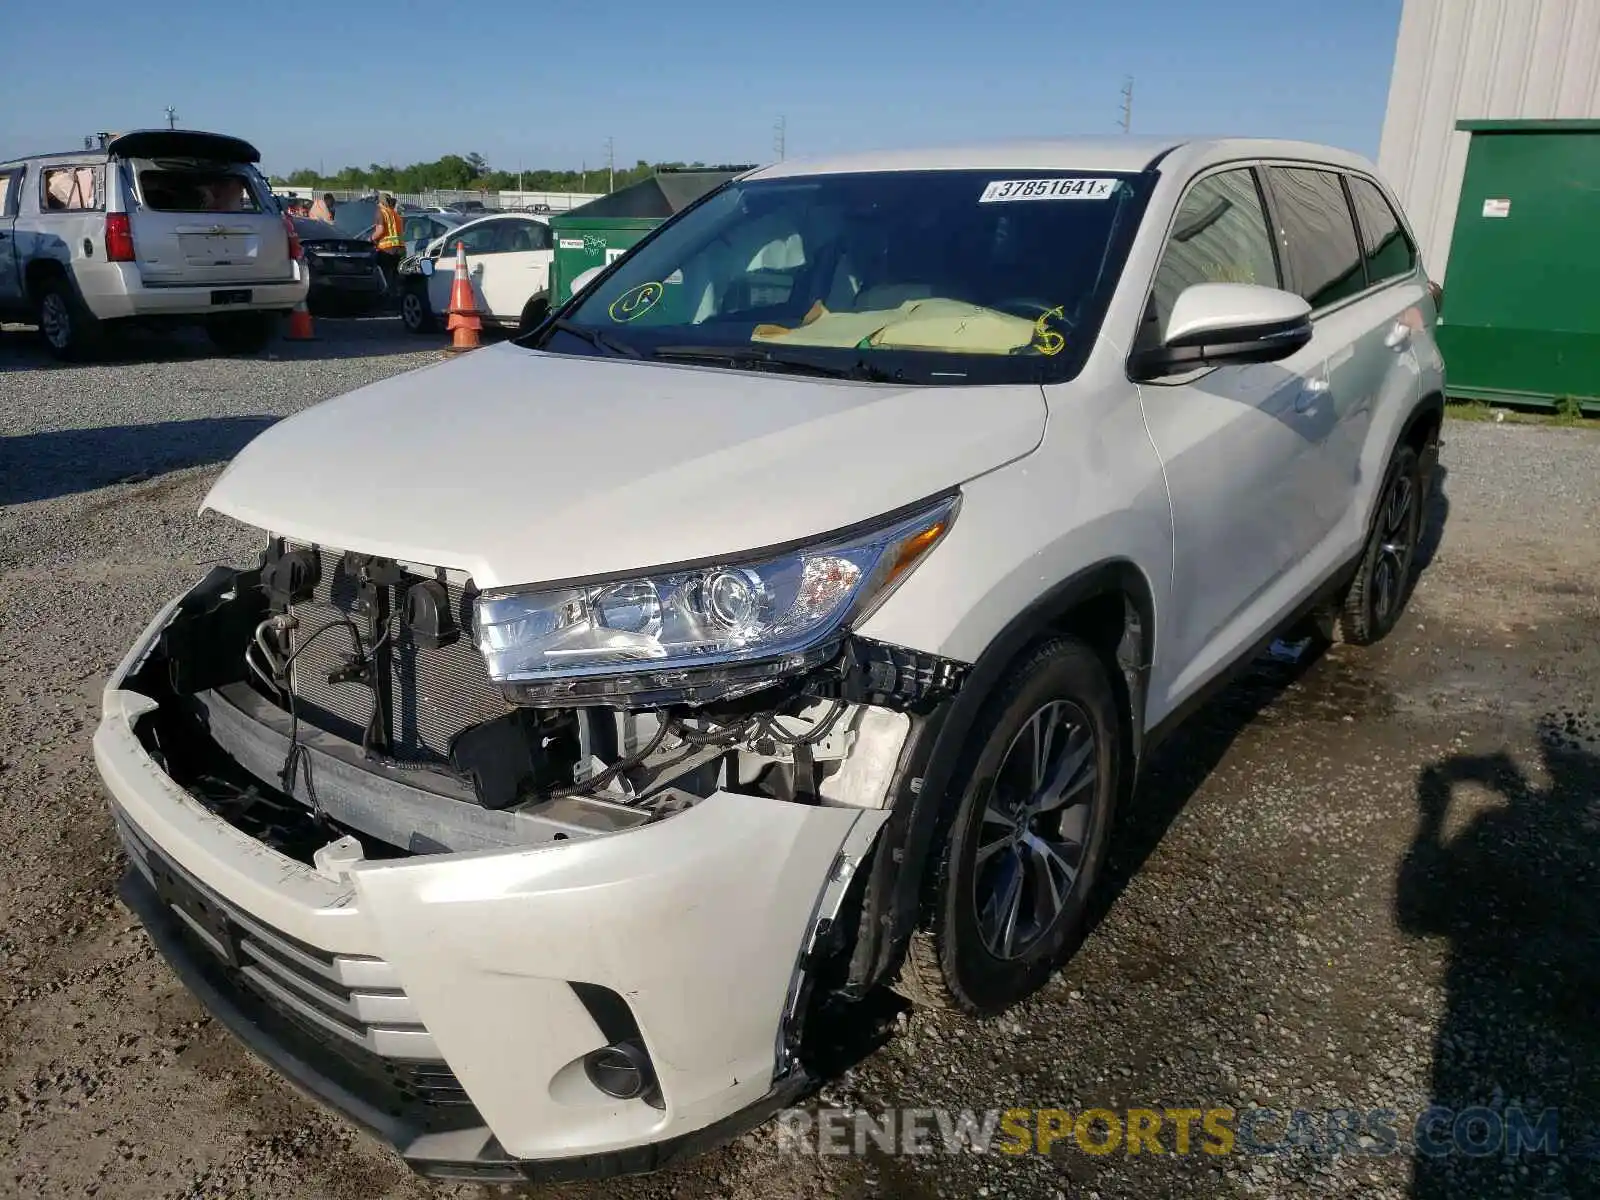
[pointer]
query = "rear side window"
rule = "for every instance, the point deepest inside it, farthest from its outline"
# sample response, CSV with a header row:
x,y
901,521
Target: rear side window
x,y
72,189
10,189
1388,251
1319,235
196,190
1220,235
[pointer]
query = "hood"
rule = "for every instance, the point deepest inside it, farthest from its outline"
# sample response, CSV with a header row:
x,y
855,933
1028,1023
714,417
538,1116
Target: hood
x,y
520,467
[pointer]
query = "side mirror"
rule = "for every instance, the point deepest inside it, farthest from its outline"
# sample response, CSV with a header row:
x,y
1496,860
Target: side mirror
x,y
1223,324
424,266
585,279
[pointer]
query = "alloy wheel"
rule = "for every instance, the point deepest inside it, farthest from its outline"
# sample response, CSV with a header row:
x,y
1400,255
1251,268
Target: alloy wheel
x,y
1032,834
1396,540
55,320
411,311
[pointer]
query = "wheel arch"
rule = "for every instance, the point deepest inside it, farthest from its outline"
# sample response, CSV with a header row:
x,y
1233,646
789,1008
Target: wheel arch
x,y
1111,607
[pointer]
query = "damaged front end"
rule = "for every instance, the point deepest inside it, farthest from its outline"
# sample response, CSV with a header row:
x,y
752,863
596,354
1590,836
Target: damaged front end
x,y
369,718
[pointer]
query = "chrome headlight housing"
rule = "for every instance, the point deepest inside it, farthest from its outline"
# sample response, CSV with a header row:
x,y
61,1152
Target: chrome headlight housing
x,y
700,633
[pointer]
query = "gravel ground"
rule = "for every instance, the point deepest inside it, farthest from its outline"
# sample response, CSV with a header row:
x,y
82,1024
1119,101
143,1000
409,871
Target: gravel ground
x,y
1366,881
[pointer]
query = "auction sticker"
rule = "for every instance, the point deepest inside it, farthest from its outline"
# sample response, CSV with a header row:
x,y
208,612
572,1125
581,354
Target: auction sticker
x,y
1047,189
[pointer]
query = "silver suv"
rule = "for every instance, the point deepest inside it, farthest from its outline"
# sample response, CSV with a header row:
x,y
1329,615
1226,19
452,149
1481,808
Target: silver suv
x,y
170,226
786,617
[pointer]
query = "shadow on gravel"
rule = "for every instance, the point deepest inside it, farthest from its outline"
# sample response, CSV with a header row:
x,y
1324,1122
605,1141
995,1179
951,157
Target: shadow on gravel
x,y
1513,885
336,338
41,466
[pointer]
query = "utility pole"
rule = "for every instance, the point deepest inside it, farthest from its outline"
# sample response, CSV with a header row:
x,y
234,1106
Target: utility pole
x,y
779,138
172,117
611,164
1127,105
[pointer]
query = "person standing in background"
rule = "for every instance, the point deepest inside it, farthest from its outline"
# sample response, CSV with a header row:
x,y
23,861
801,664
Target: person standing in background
x,y
323,209
388,234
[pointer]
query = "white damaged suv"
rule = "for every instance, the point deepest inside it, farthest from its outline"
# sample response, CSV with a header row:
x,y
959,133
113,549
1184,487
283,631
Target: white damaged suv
x,y
784,618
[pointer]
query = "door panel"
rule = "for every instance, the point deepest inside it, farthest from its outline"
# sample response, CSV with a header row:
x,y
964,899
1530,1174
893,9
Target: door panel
x,y
1241,446
10,276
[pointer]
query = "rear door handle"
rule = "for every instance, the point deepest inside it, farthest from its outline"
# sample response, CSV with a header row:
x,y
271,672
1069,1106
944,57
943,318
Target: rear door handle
x,y
1398,337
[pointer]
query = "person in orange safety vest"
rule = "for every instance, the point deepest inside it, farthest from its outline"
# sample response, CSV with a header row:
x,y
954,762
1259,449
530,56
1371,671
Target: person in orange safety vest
x,y
387,233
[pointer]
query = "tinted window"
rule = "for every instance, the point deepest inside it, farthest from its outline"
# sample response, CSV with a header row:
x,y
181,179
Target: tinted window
x,y
197,190
1220,235
1389,252
1319,235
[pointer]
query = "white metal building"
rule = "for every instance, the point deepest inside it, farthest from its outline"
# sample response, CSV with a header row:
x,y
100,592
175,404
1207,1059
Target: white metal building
x,y
1489,59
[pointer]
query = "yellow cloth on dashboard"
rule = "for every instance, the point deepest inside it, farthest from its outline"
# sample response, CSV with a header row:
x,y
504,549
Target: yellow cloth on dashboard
x,y
932,324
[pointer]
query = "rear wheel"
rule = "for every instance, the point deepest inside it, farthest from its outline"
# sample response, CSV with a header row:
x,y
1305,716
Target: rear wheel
x,y
1383,581
69,330
241,333
415,312
1020,857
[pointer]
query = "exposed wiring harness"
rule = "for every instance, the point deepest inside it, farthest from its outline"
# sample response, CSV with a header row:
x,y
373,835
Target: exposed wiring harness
x,y
296,764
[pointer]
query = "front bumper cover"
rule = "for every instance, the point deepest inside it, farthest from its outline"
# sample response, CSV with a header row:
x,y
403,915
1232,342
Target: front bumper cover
x,y
698,921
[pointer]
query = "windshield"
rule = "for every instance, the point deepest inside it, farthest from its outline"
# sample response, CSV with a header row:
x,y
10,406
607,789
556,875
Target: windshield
x,y
941,277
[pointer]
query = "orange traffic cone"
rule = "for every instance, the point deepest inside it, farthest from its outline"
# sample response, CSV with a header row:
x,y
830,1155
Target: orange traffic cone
x,y
464,321
300,327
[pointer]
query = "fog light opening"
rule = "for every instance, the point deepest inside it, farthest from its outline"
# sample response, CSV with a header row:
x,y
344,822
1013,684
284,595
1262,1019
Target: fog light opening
x,y
622,1070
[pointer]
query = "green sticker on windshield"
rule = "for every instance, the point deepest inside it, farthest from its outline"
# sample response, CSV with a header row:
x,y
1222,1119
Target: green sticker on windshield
x,y
635,302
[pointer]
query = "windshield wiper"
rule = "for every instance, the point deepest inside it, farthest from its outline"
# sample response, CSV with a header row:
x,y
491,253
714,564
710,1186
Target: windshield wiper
x,y
596,338
758,356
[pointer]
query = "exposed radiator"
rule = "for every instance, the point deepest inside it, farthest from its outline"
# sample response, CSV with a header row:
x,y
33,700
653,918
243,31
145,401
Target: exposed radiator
x,y
433,693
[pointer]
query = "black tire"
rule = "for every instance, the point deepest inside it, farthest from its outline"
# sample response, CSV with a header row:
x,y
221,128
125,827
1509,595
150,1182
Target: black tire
x,y
533,314
70,332
242,333
415,312
964,960
1382,584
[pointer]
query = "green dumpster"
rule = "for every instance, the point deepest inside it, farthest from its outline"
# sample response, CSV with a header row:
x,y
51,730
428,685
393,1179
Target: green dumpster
x,y
600,231
1521,318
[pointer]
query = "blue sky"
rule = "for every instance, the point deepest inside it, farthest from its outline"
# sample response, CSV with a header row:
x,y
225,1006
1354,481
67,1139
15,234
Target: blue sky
x,y
547,84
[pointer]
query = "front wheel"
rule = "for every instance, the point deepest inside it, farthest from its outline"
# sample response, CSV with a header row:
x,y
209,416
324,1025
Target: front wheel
x,y
1383,581
415,313
1018,860
533,314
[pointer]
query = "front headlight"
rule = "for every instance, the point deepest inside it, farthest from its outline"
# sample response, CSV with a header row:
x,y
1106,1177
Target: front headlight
x,y
702,632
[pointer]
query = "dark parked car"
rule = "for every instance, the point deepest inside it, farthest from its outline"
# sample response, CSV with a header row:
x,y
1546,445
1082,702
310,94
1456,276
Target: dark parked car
x,y
344,270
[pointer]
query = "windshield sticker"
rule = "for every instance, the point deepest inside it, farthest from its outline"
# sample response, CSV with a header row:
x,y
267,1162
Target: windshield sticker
x,y
1047,189
1046,340
635,302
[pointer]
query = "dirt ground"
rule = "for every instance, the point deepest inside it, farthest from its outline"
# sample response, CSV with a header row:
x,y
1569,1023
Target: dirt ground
x,y
1365,881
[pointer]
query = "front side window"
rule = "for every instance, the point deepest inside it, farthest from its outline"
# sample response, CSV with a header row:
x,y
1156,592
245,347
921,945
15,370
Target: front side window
x,y
1319,234
492,237
197,189
942,277
1388,251
1219,235
73,189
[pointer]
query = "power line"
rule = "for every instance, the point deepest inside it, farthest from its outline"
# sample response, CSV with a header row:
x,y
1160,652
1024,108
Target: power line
x,y
1127,105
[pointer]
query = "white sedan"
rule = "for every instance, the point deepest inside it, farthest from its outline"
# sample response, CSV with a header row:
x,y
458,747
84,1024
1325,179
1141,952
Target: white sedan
x,y
508,261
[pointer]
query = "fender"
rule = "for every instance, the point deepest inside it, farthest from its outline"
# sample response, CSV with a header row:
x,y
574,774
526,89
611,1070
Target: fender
x,y
894,896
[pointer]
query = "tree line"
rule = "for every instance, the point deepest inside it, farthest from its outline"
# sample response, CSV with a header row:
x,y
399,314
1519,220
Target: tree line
x,y
470,172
